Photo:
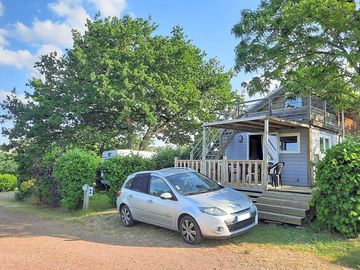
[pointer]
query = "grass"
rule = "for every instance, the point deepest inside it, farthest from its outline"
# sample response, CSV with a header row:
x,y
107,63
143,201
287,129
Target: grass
x,y
98,204
313,238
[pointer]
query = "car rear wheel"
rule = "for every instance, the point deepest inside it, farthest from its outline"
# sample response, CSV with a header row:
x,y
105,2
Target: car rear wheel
x,y
126,217
190,230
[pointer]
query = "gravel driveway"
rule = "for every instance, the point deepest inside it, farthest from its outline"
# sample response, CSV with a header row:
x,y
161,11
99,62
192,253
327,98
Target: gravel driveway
x,y
29,242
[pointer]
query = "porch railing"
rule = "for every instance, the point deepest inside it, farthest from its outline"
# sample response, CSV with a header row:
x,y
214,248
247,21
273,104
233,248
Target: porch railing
x,y
232,173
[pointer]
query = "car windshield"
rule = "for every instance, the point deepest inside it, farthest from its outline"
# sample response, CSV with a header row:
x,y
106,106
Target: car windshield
x,y
192,183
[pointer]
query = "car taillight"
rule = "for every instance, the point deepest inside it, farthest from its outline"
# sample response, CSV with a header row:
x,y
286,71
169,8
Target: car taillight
x,y
118,193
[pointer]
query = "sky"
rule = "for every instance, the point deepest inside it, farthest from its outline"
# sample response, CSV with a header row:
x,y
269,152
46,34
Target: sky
x,y
29,29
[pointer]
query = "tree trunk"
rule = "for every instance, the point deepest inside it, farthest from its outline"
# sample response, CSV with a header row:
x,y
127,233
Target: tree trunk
x,y
146,139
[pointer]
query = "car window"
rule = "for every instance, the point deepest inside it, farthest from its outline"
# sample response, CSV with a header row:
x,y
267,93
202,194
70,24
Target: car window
x,y
128,183
192,183
140,183
158,186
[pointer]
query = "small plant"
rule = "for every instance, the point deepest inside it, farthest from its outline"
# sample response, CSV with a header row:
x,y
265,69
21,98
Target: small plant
x,y
337,193
8,182
26,189
73,169
117,169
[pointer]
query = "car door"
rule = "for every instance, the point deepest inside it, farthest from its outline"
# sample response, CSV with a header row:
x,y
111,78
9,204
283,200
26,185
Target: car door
x,y
138,196
160,211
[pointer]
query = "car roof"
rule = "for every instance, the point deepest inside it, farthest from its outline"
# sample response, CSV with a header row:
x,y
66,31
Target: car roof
x,y
164,172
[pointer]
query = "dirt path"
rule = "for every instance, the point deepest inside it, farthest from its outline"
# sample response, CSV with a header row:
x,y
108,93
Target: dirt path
x,y
29,242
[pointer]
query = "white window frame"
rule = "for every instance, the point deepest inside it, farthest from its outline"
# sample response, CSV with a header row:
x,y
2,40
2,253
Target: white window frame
x,y
324,137
297,134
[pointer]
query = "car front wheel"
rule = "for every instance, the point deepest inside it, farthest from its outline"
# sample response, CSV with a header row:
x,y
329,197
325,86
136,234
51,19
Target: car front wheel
x,y
126,217
190,230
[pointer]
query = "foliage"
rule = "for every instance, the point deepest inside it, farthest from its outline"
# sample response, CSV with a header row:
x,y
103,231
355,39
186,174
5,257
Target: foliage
x,y
309,46
337,194
25,190
46,189
73,169
118,168
7,182
8,164
119,86
165,156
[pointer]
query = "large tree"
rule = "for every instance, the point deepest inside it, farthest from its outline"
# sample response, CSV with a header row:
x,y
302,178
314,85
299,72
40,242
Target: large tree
x,y
309,46
120,86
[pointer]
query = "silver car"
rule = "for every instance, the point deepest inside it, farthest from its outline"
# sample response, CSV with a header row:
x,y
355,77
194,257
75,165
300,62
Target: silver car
x,y
186,201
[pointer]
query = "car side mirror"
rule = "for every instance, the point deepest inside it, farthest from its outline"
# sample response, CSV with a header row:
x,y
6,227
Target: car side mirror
x,y
166,196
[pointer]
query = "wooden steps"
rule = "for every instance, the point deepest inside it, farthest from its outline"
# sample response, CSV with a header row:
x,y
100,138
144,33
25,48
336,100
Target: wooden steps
x,y
286,207
295,220
253,195
281,209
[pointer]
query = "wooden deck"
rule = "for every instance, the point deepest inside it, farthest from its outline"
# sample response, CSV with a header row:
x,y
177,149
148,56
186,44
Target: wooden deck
x,y
294,189
286,204
231,173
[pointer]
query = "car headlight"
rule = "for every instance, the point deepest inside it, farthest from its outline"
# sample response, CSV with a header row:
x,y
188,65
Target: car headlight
x,y
214,211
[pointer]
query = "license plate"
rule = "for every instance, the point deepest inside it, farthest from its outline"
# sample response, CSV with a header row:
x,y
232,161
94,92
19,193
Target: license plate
x,y
242,217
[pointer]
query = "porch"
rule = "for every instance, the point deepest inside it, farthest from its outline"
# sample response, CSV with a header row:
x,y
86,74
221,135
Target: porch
x,y
289,203
240,165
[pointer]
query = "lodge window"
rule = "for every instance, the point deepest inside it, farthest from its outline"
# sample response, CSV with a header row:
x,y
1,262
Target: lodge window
x,y
293,102
324,144
289,143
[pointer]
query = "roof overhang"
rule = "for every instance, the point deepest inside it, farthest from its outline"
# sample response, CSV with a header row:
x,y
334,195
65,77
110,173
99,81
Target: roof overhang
x,y
256,124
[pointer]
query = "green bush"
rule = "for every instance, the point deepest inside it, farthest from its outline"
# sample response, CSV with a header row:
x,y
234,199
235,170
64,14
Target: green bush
x,y
8,182
116,170
165,156
8,164
72,170
25,190
337,193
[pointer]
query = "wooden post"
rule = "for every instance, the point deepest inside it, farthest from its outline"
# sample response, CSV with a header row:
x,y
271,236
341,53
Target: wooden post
x,y
310,160
86,197
266,153
176,162
204,144
203,166
225,176
270,106
310,120
325,112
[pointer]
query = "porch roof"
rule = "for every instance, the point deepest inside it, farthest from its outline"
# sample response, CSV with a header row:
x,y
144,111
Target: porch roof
x,y
256,123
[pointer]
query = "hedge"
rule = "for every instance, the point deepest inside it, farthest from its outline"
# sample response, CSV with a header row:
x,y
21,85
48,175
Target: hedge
x,y
116,170
337,193
73,169
165,156
8,182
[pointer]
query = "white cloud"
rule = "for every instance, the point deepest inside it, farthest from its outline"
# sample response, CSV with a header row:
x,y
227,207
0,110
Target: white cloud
x,y
74,13
4,94
45,31
109,7
19,58
59,32
1,9
3,40
48,48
